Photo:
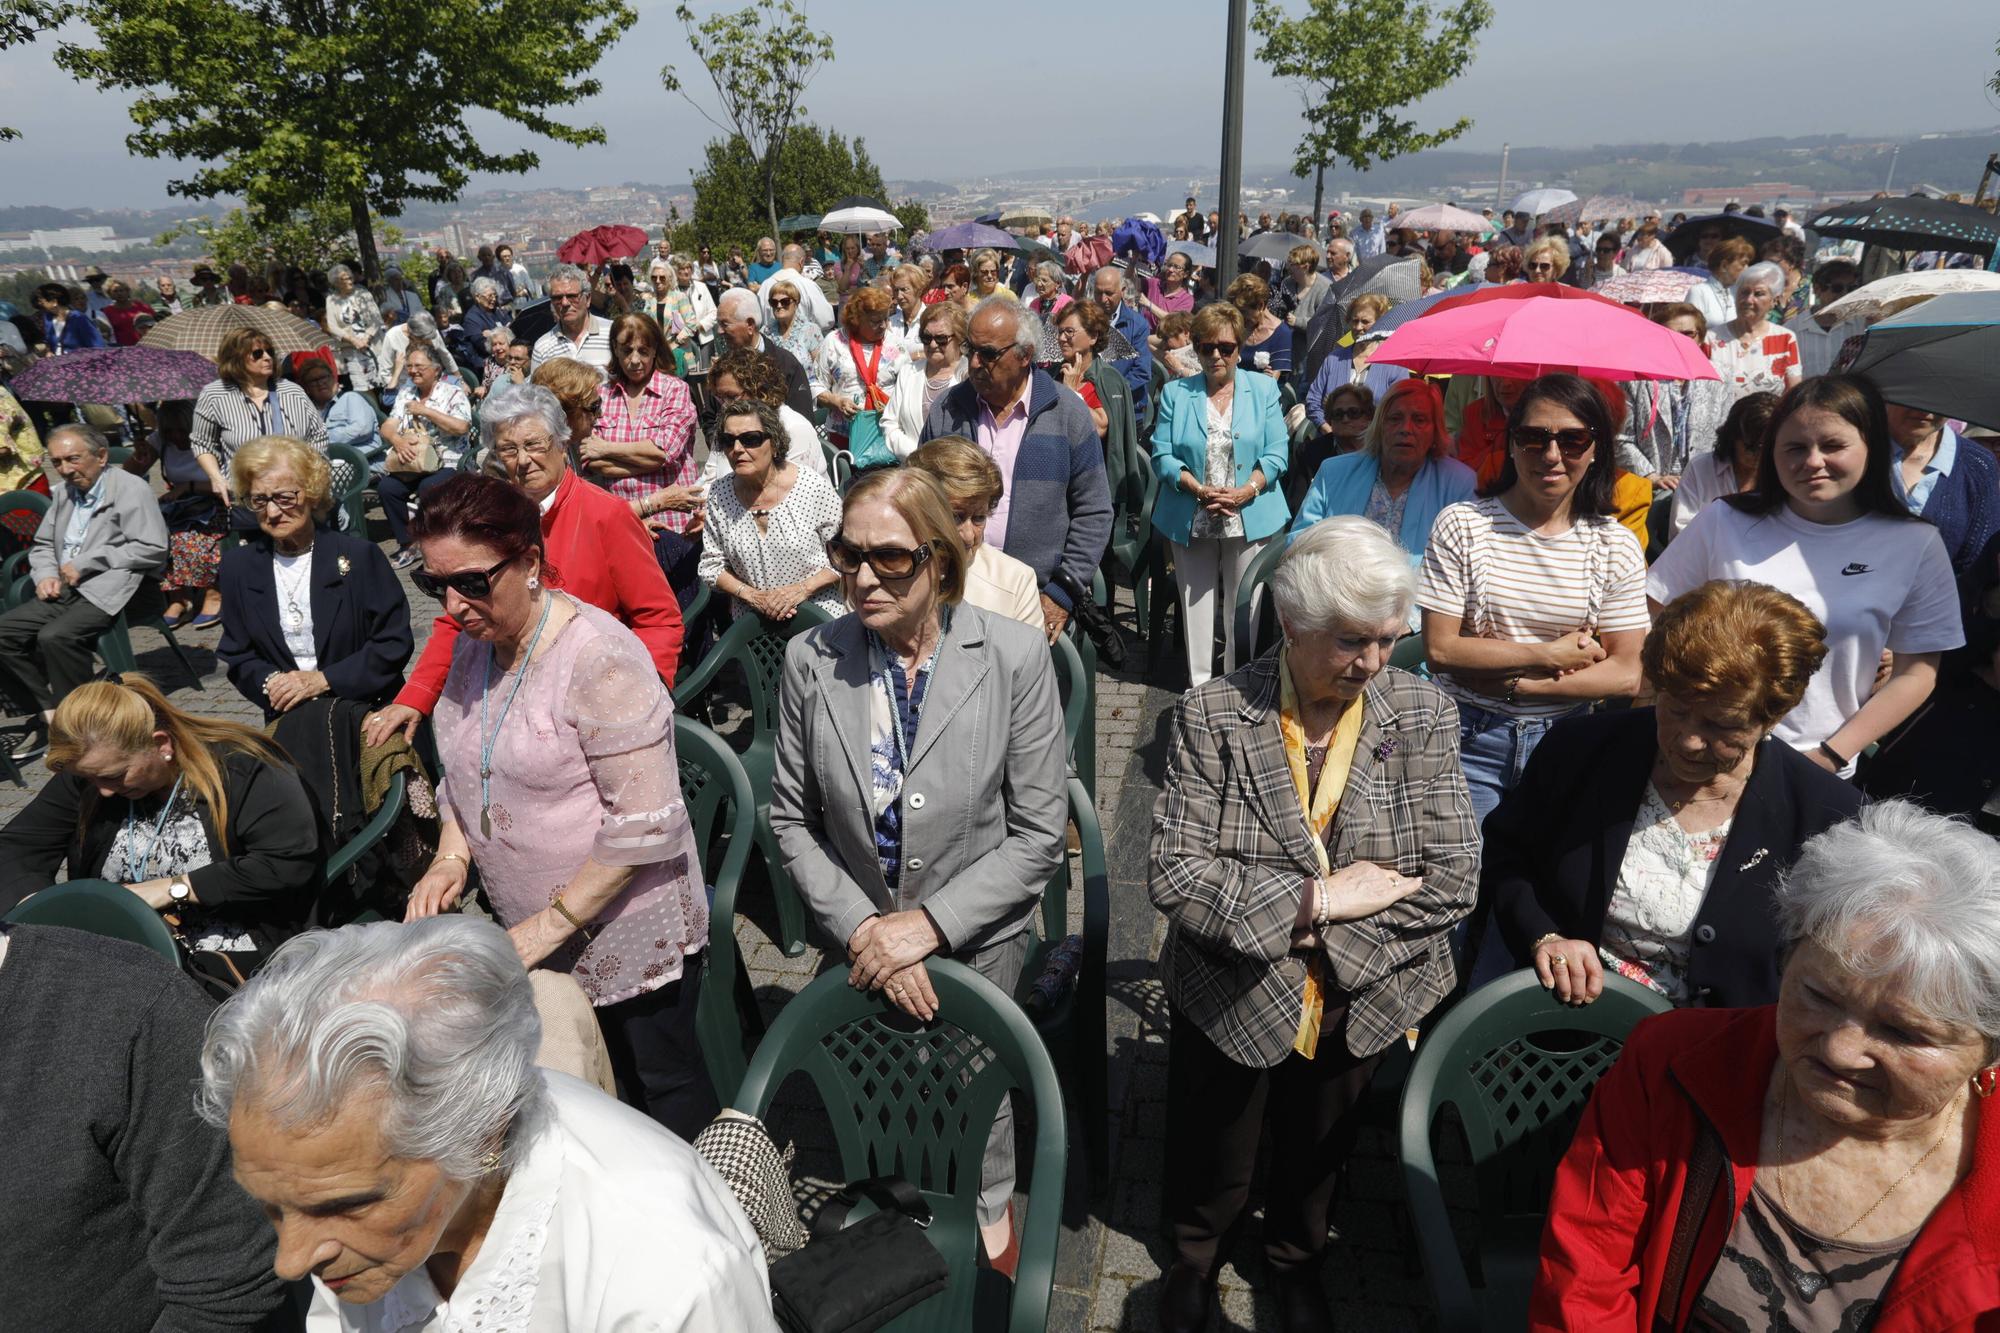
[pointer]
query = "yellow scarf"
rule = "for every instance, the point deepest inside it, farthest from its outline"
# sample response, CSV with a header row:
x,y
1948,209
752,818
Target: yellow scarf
x,y
1318,805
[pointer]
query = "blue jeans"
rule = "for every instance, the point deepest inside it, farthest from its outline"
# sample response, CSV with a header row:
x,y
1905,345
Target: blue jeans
x,y
1493,748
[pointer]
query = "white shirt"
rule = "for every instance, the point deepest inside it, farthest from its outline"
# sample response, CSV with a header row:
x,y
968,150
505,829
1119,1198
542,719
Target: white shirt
x,y
611,1225
1875,582
812,301
1716,303
292,575
594,349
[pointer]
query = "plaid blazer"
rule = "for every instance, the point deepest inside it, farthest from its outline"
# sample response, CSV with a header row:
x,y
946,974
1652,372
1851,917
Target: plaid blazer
x,y
1231,855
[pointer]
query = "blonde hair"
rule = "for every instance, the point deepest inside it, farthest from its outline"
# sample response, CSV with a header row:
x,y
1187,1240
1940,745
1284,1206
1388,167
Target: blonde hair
x,y
576,384
1555,251
964,469
265,452
921,500
125,713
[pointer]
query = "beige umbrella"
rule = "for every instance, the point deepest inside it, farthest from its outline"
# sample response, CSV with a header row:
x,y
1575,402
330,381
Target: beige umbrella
x,y
1025,215
1899,291
203,329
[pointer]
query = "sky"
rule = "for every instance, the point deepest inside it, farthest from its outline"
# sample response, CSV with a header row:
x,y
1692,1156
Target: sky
x,y
1057,83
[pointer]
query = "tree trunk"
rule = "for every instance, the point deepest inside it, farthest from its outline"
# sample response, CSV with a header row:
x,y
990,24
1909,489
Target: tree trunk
x,y
771,196
364,238
1319,198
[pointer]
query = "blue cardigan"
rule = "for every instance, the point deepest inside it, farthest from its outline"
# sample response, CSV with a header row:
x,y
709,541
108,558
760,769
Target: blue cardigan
x,y
1964,505
1344,483
1180,443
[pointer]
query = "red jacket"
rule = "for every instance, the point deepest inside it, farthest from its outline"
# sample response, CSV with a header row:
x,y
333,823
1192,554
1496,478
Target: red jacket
x,y
598,552
1611,1215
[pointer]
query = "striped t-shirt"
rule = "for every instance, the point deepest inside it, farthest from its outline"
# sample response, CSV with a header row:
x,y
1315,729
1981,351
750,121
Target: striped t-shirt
x,y
1505,582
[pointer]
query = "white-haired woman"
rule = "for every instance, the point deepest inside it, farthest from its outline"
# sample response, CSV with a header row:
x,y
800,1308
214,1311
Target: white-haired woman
x,y
355,322
379,1087
1832,1157
1050,294
1313,845
482,316
1750,353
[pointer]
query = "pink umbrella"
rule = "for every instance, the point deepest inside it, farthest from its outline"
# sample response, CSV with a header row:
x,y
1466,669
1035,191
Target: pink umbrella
x,y
602,243
1648,286
1522,338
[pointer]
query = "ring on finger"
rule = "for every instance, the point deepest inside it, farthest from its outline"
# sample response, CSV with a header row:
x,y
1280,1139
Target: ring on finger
x,y
1558,961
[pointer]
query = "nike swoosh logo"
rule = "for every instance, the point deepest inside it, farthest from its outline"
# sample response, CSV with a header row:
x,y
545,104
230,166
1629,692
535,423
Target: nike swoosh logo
x,y
1857,568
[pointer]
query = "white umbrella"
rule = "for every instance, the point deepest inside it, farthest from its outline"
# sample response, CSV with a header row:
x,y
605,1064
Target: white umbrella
x,y
1900,291
1025,215
1440,217
1537,202
859,220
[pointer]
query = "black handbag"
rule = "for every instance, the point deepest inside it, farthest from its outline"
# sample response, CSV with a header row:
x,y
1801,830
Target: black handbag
x,y
852,1279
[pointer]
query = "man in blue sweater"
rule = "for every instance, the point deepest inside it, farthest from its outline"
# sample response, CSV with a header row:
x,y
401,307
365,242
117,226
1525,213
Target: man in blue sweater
x,y
1056,512
1108,284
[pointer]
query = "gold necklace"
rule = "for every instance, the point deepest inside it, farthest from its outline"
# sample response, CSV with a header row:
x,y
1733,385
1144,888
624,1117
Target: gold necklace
x,y
1784,1201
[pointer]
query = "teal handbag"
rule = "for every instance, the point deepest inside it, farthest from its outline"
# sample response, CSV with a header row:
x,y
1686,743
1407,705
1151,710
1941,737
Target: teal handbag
x,y
867,443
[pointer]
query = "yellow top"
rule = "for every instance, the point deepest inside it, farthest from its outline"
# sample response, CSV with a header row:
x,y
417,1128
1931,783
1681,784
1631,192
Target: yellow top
x,y
1317,804
20,446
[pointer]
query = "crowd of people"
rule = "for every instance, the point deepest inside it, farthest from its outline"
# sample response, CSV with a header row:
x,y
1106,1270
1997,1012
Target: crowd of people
x,y
1684,677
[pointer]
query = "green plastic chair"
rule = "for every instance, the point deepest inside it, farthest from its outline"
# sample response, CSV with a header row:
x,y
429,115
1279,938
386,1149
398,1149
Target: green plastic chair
x,y
756,647
917,1101
354,500
13,578
1256,613
21,514
1518,1067
1136,553
338,906
1659,526
1076,686
115,646
724,815
1073,1028
102,908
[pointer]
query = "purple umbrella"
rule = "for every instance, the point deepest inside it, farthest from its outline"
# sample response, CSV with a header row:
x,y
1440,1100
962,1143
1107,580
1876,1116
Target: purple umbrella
x,y
968,236
114,375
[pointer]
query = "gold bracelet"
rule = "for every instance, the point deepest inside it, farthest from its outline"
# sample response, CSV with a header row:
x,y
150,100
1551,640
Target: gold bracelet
x,y
442,857
1552,935
569,916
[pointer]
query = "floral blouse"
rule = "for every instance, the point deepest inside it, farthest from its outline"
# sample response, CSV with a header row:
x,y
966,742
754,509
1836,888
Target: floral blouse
x,y
1661,884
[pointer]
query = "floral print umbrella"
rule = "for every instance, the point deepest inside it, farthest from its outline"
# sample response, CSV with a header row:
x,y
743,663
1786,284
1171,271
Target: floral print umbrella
x,y
114,375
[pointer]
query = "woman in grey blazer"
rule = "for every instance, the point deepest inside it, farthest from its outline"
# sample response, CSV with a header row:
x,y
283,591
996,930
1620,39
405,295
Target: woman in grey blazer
x,y
918,794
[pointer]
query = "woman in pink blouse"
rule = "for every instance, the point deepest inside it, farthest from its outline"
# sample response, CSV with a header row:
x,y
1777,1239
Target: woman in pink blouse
x,y
559,782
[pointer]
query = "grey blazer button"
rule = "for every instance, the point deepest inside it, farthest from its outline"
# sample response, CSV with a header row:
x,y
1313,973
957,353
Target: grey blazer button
x,y
916,863
915,800
1704,934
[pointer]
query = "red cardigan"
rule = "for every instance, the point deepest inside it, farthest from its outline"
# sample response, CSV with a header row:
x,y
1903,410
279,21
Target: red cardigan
x,y
598,552
1611,1214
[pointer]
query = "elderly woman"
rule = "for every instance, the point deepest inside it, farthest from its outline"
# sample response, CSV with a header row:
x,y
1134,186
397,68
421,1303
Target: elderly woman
x,y
203,820
737,375
481,318
1267,339
1825,525
791,329
1306,288
1050,297
350,418
1083,331
1219,450
1670,423
355,322
1949,483
1347,412
1750,353
1827,1157
247,401
379,1088
1534,596
694,303
425,435
1403,475
858,362
1306,932
766,525
994,581
307,610
940,839
954,284
555,735
1170,292
641,447
1731,467
1546,260
1648,842
597,552
1353,364
1715,295
985,266
941,335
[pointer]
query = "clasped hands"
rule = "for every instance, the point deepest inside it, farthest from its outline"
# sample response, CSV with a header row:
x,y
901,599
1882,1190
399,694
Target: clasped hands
x,y
1350,893
886,954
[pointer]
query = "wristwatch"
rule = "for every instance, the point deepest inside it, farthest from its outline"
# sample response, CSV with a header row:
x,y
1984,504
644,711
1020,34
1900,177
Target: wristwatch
x,y
179,890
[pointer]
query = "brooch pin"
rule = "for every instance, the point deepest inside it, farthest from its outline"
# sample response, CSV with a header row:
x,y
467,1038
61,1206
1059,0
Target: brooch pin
x,y
1755,858
1385,749
343,564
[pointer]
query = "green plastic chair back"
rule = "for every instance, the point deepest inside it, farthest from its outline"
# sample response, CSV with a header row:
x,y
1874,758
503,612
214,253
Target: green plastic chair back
x,y
102,908
1256,614
1073,687
1659,526
724,815
374,830
354,500
21,513
918,1101
1409,654
115,646
1517,1066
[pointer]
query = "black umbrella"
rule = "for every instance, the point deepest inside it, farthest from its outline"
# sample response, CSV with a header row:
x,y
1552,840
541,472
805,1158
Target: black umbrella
x,y
1686,238
1939,356
1917,222
1394,276
858,201
531,322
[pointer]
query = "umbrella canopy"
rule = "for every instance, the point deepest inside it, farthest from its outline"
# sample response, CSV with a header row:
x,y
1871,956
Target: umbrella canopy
x,y
601,245
203,329
1648,286
115,375
1202,255
1272,245
859,219
1899,291
859,201
1038,253
1938,356
1914,223
1598,207
1393,276
969,236
1537,202
799,222
1494,332
1442,217
1423,305
1025,215
532,321
1686,239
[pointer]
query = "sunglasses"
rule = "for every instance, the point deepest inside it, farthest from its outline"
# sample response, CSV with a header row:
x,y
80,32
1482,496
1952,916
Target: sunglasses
x,y
1216,349
258,354
978,353
1542,266
1573,441
782,303
1347,414
888,562
937,339
475,584
749,439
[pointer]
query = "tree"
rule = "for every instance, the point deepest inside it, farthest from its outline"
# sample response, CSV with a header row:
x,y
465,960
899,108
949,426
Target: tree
x,y
313,238
734,205
1359,62
761,59
21,21
288,103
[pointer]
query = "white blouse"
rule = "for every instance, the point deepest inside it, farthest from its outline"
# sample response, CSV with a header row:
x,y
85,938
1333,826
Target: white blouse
x,y
1661,884
292,575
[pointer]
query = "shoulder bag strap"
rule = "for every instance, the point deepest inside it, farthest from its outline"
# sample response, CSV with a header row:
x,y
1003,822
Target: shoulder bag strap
x,y
889,1193
1707,1167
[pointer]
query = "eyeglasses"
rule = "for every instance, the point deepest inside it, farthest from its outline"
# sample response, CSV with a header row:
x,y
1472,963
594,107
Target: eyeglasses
x,y
1541,266
258,354
565,297
1347,414
1068,332
473,583
782,303
978,353
1607,249
1216,349
1573,441
937,339
888,562
507,453
749,439
286,501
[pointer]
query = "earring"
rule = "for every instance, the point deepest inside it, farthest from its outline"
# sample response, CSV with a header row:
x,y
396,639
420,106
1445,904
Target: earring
x,y
490,1162
534,583
1986,1080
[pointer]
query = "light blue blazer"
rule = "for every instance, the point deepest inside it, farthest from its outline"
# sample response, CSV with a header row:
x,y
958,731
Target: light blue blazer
x,y
1343,483
1180,442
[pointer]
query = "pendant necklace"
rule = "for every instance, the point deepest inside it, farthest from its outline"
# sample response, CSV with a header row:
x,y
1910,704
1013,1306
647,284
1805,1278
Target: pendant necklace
x,y
490,738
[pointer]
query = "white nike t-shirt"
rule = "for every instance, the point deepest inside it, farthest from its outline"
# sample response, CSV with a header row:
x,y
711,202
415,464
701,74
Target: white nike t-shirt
x,y
1875,583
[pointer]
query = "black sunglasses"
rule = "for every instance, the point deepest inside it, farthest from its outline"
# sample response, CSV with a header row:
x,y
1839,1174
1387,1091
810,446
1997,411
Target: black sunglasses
x,y
473,583
1347,414
1574,441
888,562
1216,349
749,439
977,353
937,339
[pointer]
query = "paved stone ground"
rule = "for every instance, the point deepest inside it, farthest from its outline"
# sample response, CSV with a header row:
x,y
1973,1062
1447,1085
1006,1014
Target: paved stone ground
x,y
1113,1249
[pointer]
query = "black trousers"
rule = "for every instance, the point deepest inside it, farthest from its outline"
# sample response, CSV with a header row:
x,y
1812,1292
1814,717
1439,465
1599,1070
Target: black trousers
x,y
1217,1113
47,648
656,1053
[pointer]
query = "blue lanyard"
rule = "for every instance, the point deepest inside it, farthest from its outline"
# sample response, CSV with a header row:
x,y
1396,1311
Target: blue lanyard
x,y
140,867
489,739
890,662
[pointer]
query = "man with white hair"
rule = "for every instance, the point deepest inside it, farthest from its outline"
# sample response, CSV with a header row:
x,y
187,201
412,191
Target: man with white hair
x,y
739,319
578,334
813,304
1108,284
1339,258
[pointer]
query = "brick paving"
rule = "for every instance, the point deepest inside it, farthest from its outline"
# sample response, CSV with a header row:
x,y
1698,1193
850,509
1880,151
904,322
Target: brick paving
x,y
1113,1249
